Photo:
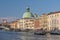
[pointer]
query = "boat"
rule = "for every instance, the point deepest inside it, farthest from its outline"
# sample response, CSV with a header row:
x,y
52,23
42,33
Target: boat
x,y
55,32
40,32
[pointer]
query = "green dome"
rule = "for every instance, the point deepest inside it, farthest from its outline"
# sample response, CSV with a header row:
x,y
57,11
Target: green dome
x,y
27,14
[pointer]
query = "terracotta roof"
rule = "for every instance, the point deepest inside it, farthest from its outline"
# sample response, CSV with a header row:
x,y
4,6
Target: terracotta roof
x,y
53,12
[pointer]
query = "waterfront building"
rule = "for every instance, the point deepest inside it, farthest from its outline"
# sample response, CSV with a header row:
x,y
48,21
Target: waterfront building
x,y
27,23
43,21
27,20
14,24
36,23
30,21
4,22
54,20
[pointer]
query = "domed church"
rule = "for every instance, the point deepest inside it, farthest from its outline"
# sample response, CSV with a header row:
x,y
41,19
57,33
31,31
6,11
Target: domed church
x,y
27,20
27,13
30,21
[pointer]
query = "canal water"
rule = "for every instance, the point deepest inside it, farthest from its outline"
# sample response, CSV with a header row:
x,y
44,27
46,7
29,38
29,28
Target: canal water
x,y
26,36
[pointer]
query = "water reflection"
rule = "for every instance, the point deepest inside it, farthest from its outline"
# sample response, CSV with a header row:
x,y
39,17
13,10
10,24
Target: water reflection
x,y
26,36
53,37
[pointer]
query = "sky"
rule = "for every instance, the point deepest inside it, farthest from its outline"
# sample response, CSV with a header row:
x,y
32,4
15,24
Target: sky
x,y
16,8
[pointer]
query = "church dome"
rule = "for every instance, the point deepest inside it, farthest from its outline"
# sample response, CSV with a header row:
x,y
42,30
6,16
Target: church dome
x,y
28,14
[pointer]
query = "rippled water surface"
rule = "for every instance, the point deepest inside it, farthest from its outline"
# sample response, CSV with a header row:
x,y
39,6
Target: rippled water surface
x,y
26,36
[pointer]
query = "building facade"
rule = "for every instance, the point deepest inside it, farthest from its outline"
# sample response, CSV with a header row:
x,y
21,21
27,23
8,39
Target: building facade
x,y
54,20
26,23
36,23
30,21
27,20
43,21
14,24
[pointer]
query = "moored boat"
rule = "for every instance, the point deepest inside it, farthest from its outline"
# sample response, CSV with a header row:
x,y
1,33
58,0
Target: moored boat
x,y
40,32
55,32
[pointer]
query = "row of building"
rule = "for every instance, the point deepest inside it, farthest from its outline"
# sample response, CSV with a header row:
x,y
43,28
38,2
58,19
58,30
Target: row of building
x,y
29,21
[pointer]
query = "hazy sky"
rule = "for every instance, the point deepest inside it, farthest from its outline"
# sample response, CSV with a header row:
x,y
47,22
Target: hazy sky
x,y
16,8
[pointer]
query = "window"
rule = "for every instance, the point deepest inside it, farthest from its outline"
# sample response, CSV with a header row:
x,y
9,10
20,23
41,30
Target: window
x,y
57,14
31,20
26,20
50,16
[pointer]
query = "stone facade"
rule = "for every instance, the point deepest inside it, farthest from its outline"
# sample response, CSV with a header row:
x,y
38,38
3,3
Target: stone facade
x,y
54,20
26,23
43,21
